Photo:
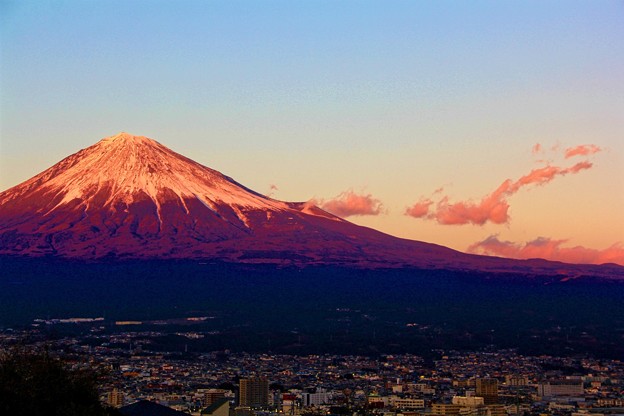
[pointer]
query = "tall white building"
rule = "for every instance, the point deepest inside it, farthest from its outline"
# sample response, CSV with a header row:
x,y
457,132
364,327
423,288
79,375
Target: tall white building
x,y
562,387
315,399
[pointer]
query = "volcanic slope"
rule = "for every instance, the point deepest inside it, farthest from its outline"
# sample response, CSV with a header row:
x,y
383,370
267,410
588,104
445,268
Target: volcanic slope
x,y
130,197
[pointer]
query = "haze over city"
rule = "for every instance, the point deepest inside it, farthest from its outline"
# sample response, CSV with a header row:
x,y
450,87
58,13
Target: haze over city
x,y
408,117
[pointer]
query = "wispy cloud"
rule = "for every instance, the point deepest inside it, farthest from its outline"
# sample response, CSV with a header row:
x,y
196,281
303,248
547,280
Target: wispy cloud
x,y
349,203
493,207
582,150
550,249
541,176
272,189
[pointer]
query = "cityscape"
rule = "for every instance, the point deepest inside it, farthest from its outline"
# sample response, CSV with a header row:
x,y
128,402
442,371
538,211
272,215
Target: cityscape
x,y
134,377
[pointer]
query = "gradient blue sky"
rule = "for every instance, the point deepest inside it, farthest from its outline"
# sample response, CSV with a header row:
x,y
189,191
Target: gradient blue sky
x,y
389,98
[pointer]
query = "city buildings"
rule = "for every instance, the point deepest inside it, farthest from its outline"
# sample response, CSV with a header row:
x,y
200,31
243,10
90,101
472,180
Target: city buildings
x,y
115,398
213,395
488,389
254,392
452,383
560,387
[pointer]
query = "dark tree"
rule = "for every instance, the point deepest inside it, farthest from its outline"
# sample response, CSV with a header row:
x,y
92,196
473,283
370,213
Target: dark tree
x,y
36,384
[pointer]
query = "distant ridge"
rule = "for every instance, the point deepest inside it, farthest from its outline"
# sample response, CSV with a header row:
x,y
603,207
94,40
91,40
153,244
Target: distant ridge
x,y
130,197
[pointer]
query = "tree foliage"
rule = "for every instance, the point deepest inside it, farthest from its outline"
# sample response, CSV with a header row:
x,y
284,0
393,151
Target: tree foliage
x,y
36,384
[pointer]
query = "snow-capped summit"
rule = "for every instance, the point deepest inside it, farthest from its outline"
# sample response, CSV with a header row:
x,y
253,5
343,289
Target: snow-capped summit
x,y
131,197
124,137
127,168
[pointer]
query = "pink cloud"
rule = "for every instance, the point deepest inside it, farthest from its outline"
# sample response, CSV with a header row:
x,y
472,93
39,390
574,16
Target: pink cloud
x,y
493,207
349,203
579,167
541,176
419,209
549,249
582,150
537,148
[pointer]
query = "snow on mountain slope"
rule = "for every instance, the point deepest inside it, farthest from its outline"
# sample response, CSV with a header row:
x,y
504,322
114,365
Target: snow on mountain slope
x,y
130,165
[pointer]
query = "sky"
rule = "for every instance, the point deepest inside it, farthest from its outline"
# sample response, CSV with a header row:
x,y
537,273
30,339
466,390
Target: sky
x,y
491,127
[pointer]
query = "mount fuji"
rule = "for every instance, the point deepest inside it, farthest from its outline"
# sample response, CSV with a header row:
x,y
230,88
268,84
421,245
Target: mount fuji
x,y
130,197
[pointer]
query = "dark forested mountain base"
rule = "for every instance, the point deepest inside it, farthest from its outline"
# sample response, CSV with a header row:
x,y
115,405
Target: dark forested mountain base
x,y
320,309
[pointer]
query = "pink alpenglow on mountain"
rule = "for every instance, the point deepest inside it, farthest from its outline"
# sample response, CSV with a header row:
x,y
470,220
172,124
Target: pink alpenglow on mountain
x,y
130,197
